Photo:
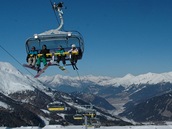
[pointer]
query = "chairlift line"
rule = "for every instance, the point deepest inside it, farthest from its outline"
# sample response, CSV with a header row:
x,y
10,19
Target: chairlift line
x,y
54,12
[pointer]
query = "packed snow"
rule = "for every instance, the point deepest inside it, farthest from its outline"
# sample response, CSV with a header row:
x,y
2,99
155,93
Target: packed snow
x,y
102,127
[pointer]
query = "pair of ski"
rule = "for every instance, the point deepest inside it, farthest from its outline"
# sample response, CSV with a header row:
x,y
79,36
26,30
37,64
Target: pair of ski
x,y
40,71
74,67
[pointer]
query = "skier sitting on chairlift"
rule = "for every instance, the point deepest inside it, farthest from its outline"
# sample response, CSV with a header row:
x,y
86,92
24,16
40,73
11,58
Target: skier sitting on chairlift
x,y
43,57
73,55
31,57
61,56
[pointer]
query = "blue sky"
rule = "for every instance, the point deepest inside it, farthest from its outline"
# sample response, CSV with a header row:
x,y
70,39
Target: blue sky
x,y
121,36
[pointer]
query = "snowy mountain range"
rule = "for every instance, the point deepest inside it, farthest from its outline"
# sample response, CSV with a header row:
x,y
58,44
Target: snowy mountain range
x,y
128,80
24,100
8,83
118,96
124,93
126,88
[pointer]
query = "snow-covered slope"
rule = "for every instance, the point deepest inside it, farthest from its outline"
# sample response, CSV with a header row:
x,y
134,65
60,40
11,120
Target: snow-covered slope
x,y
149,78
26,98
11,80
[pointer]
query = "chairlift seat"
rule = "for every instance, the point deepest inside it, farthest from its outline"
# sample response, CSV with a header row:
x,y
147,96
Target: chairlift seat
x,y
53,41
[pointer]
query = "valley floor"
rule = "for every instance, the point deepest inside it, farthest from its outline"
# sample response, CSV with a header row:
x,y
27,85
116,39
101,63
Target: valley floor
x,y
102,127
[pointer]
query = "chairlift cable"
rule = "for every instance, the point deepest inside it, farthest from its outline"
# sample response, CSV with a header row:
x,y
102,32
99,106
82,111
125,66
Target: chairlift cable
x,y
15,59
54,12
78,75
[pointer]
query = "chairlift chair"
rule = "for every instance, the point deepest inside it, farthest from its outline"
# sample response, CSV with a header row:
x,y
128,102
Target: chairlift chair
x,y
56,37
78,117
57,107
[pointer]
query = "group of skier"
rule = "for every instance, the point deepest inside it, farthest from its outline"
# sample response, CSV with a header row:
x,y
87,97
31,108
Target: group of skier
x,y
35,61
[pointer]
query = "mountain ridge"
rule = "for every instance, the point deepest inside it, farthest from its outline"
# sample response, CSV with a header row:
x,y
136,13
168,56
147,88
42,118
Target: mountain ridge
x,y
127,80
115,95
25,98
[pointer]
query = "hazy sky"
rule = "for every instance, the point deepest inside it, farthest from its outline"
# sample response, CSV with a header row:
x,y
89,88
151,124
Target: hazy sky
x,y
121,36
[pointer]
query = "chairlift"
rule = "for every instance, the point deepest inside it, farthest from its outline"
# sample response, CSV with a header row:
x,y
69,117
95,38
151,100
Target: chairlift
x,y
56,106
90,114
53,41
78,117
55,38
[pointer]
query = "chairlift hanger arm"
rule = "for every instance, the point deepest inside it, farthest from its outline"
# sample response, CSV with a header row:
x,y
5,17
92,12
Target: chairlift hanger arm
x,y
58,8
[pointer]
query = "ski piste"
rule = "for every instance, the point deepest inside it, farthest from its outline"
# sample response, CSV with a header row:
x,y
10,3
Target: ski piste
x,y
31,67
42,70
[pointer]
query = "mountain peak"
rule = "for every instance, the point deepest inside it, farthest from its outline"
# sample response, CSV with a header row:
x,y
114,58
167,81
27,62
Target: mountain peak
x,y
128,76
12,80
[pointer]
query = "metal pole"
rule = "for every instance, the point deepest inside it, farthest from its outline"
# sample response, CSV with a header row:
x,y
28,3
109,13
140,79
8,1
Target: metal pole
x,y
61,18
85,120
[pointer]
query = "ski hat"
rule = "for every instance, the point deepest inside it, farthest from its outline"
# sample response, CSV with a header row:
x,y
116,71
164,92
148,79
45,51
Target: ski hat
x,y
60,47
44,46
33,47
73,45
